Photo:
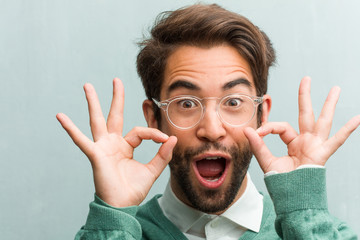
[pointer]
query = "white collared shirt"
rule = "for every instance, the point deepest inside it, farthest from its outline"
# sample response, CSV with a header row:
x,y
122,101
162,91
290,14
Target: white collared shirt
x,y
244,214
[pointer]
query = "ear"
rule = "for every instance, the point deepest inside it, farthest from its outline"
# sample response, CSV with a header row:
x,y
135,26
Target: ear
x,y
266,106
149,114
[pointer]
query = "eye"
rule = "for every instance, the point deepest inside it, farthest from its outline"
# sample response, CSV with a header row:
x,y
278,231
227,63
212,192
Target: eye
x,y
187,103
233,102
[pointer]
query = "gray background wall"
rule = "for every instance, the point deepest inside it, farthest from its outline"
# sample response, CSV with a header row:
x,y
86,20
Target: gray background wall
x,y
49,49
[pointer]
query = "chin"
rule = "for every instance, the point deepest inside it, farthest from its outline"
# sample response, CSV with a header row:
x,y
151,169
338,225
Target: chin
x,y
209,177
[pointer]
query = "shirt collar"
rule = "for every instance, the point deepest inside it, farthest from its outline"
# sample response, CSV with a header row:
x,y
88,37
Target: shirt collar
x,y
246,212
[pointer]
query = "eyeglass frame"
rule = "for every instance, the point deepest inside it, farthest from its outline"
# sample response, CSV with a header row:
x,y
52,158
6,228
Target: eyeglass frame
x,y
164,105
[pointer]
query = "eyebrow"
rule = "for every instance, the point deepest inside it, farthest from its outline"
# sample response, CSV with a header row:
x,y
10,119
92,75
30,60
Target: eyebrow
x,y
182,84
190,86
236,82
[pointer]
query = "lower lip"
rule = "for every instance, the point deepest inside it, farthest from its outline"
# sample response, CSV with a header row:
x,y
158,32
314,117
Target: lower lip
x,y
211,184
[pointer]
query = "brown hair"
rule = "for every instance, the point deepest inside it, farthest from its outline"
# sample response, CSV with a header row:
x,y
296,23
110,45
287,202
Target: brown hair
x,y
203,26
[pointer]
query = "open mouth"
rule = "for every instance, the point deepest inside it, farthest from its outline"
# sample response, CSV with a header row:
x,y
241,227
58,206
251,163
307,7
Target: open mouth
x,y
211,171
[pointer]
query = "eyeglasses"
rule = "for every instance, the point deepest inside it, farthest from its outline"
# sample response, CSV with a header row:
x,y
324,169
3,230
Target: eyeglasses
x,y
185,111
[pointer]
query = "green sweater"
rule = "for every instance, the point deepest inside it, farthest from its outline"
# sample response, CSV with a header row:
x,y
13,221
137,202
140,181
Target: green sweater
x,y
297,209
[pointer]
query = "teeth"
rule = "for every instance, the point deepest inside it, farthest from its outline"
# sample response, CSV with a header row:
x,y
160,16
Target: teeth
x,y
212,180
212,158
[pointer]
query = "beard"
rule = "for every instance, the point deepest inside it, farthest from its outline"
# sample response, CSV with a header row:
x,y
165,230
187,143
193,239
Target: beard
x,y
210,200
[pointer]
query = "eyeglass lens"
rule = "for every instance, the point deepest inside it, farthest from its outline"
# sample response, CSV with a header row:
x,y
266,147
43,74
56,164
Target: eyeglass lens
x,y
186,112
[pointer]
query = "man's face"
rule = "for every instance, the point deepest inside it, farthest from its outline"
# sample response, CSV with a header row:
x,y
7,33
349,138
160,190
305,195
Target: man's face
x,y
210,160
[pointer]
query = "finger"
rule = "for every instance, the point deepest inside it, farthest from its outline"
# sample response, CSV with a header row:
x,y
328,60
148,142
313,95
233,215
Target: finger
x,y
306,114
340,137
137,134
115,117
258,147
323,125
97,121
75,134
163,157
283,129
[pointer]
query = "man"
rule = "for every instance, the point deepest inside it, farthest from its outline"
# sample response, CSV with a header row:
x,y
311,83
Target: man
x,y
204,70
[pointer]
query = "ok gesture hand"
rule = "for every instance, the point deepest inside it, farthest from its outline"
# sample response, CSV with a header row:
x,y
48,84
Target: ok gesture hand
x,y
312,145
119,179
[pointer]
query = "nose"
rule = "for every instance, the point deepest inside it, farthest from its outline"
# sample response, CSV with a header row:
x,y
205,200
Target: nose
x,y
211,128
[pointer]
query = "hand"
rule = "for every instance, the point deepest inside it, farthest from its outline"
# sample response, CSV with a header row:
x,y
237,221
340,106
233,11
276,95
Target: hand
x,y
312,145
119,179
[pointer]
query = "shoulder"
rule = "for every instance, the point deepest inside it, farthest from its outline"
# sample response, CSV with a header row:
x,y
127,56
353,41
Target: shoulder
x,y
269,216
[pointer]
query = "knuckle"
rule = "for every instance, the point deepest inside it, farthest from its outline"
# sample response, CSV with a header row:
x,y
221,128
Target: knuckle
x,y
137,129
285,124
133,131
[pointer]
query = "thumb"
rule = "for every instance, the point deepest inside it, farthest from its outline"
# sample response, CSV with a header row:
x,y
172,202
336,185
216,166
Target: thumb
x,y
258,147
163,157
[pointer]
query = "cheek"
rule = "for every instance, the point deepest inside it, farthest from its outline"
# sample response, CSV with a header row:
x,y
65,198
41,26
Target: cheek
x,y
164,125
237,135
184,136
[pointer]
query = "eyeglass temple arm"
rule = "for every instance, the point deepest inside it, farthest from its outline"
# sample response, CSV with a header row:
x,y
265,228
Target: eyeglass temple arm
x,y
259,100
159,104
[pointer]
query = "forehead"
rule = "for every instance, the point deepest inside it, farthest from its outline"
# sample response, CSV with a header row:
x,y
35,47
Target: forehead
x,y
206,71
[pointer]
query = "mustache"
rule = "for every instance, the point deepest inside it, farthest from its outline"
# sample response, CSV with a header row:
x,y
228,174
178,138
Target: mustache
x,y
190,152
